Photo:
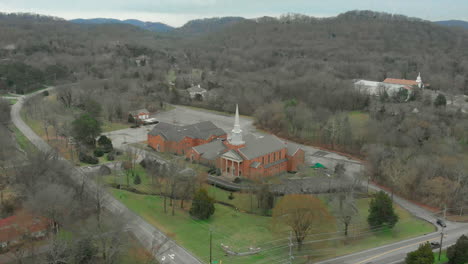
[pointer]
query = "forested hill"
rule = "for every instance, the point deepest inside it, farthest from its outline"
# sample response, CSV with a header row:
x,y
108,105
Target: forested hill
x,y
207,25
303,57
151,26
453,23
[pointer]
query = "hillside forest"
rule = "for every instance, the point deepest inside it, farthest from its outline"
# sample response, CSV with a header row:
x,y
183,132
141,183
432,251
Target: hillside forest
x,y
294,74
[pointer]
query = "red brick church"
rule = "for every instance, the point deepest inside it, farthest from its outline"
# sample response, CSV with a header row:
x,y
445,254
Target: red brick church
x,y
237,155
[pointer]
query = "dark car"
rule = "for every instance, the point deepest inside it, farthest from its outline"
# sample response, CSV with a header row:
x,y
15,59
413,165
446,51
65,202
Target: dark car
x,y
441,223
435,245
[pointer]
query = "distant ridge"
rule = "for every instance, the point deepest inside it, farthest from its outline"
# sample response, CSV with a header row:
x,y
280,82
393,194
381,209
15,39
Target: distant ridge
x,y
152,26
453,23
208,25
193,27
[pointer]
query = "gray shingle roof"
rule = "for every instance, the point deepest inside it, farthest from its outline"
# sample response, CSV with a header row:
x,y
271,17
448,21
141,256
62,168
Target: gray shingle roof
x,y
202,130
232,154
136,112
196,89
292,148
212,150
256,147
255,164
274,163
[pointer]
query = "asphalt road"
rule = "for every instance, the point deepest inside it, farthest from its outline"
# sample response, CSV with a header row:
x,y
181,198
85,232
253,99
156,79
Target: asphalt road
x,y
147,234
388,254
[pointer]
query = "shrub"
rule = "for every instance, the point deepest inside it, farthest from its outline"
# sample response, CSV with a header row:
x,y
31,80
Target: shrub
x,y
98,152
110,156
423,255
202,205
218,172
105,144
85,158
231,196
458,253
237,180
137,180
45,93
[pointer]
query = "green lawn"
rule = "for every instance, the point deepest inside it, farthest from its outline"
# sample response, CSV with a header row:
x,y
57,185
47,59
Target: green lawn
x,y
22,141
358,121
443,257
240,230
407,227
112,126
13,101
171,76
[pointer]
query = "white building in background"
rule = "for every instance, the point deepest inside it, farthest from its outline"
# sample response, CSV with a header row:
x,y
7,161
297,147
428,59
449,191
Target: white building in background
x,y
196,90
389,85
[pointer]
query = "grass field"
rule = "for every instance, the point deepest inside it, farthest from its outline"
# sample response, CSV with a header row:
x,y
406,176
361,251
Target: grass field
x,y
241,230
22,141
443,257
112,126
230,227
358,121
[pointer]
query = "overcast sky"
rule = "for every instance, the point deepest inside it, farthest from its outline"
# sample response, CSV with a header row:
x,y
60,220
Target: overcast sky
x,y
177,12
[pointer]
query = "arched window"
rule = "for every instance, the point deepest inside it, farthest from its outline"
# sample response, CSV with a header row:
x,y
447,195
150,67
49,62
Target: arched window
x,y
157,148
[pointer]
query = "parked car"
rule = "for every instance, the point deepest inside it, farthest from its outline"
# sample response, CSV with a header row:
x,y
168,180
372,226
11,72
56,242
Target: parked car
x,y
435,245
441,223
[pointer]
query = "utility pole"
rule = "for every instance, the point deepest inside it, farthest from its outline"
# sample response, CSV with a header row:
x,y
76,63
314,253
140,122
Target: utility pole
x,y
441,239
290,248
211,235
445,212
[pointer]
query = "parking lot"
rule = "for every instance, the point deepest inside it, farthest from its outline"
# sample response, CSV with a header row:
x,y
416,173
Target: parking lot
x,y
182,115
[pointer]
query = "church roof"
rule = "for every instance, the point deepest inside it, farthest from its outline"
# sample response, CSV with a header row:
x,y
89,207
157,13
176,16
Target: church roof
x,y
232,154
274,163
202,130
400,81
212,150
255,164
292,148
256,147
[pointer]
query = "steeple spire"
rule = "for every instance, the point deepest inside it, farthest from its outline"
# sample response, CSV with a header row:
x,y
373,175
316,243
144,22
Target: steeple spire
x,y
419,81
236,135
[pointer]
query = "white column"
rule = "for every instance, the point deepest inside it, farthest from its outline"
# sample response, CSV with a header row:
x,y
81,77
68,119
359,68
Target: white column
x,y
226,166
238,168
232,168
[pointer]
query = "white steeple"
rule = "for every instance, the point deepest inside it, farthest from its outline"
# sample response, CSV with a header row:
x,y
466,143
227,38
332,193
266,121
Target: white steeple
x,y
236,133
419,81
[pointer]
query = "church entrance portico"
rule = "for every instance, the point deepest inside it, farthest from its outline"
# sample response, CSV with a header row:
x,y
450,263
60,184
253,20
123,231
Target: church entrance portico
x,y
231,164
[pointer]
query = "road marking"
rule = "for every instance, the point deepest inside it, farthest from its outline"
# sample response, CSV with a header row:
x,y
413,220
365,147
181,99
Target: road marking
x,y
393,250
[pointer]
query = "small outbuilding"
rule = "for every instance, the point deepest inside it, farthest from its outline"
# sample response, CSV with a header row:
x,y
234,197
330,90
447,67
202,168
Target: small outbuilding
x,y
138,115
196,92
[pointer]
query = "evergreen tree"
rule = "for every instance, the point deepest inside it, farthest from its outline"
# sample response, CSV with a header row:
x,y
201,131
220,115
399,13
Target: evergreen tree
x,y
458,253
86,129
440,100
105,144
423,255
202,205
137,180
381,211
